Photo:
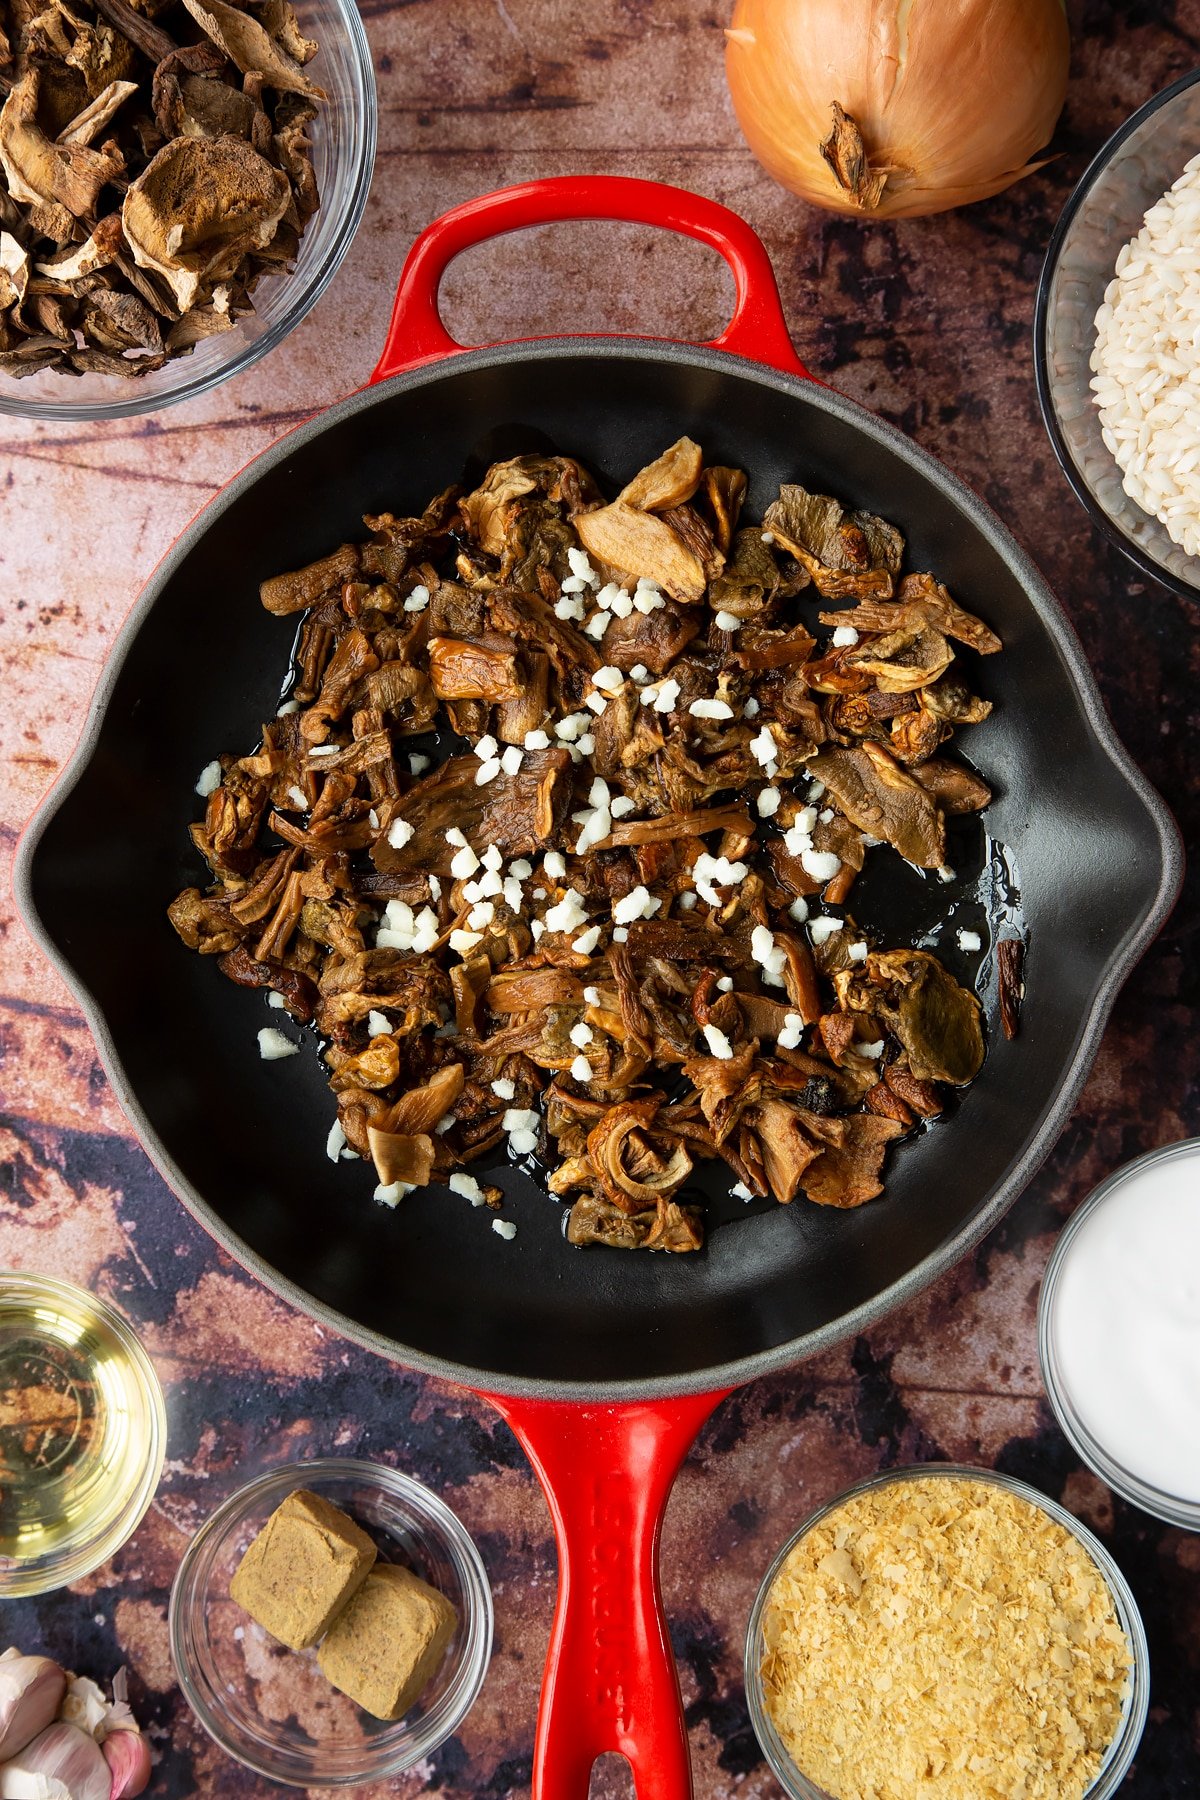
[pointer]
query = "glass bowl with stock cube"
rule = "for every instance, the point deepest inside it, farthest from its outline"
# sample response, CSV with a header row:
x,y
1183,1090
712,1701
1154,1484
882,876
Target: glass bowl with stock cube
x,y
331,1624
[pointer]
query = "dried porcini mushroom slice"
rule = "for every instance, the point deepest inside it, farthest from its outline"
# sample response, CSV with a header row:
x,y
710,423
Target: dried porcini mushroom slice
x,y
398,1157
461,670
251,48
606,927
199,207
40,171
786,1150
751,578
87,125
725,490
632,1171
666,1227
190,99
884,800
936,1021
938,608
486,510
848,1171
14,271
901,661
194,326
952,700
96,252
281,22
922,601
120,323
955,788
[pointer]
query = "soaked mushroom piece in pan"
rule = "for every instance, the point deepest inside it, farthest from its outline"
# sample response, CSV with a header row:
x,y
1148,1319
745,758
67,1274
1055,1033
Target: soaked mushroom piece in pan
x,y
645,546
881,798
670,480
843,552
937,1022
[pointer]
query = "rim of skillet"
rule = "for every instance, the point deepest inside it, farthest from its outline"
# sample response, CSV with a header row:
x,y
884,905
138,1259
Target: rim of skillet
x,y
780,1356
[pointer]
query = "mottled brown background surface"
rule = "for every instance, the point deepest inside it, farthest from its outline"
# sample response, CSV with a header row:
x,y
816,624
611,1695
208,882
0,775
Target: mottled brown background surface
x,y
929,322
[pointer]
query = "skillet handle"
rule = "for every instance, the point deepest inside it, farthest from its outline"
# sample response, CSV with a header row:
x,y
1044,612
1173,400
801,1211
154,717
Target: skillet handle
x,y
610,1681
757,329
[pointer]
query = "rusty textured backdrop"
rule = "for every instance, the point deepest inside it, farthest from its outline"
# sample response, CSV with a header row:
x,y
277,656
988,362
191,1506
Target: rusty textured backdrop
x,y
927,321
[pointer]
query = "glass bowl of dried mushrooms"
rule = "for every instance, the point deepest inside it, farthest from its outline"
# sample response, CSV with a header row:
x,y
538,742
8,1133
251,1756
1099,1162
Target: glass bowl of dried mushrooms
x,y
178,185
948,1622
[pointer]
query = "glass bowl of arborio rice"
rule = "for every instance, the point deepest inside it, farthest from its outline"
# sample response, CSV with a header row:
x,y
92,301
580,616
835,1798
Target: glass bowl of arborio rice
x,y
1117,337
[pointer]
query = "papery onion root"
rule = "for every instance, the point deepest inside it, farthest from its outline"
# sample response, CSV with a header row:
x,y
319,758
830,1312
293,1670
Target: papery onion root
x,y
848,157
893,108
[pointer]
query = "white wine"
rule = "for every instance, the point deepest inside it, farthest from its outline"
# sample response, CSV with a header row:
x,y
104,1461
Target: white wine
x,y
82,1431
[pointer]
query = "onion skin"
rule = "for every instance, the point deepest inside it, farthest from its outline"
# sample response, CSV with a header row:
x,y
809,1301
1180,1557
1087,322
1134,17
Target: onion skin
x,y
952,97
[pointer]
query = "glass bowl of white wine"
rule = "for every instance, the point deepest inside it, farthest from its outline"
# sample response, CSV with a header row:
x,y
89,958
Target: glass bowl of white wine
x,y
82,1433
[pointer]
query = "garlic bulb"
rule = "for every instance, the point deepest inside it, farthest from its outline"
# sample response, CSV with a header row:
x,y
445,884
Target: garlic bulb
x,y
889,108
62,1763
31,1691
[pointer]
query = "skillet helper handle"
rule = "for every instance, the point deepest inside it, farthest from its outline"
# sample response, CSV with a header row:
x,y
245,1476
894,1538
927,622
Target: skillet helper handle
x,y
610,1682
757,329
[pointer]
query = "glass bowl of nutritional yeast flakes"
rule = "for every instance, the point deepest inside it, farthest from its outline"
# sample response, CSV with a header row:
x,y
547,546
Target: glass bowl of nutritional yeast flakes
x,y
82,1433
944,1632
1119,1332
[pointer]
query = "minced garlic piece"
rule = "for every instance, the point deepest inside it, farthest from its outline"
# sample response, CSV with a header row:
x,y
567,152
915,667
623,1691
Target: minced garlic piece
x,y
941,1638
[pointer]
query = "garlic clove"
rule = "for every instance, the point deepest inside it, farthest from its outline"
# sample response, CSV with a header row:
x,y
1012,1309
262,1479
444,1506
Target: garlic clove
x,y
31,1692
84,1705
128,1756
62,1763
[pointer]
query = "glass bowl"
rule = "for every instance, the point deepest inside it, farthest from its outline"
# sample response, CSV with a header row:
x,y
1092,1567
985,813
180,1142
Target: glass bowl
x,y
1137,1699
74,1490
1175,1508
1137,165
271,1708
343,151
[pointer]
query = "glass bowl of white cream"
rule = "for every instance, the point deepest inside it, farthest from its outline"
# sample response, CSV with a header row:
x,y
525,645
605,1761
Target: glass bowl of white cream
x,y
1119,1332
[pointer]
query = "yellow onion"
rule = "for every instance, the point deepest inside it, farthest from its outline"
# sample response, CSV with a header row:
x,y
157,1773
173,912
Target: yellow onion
x,y
889,108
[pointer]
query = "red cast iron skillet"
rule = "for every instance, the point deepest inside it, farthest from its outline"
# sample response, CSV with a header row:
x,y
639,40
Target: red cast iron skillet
x,y
604,1364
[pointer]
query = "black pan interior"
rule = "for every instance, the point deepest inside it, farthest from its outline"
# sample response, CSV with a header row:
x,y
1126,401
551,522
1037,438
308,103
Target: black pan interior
x,y
244,1140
